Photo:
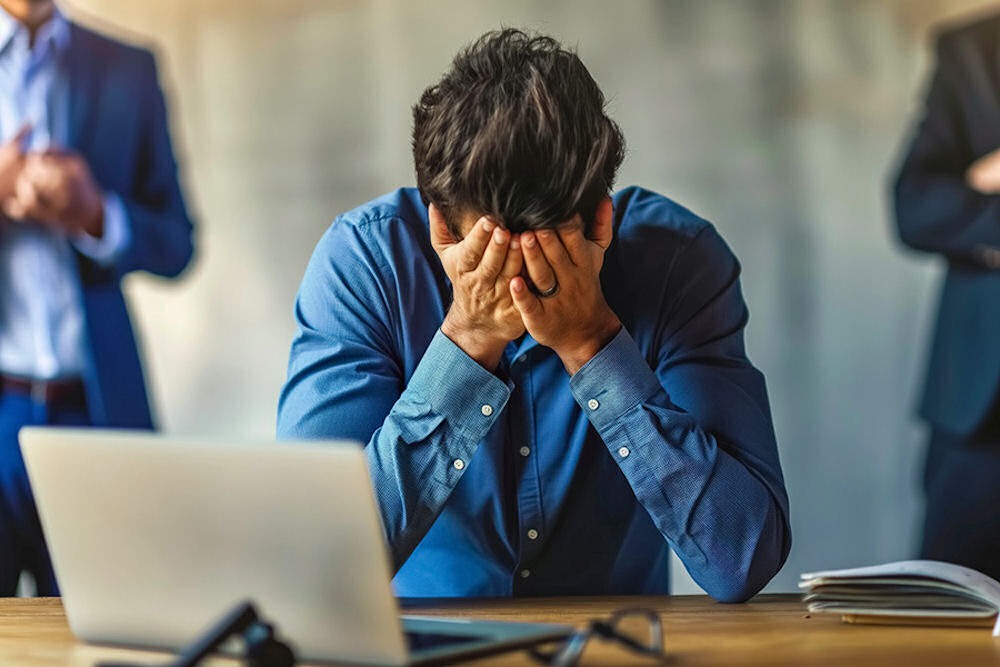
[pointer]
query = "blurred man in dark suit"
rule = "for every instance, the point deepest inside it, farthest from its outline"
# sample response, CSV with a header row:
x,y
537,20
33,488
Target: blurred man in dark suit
x,y
947,203
88,192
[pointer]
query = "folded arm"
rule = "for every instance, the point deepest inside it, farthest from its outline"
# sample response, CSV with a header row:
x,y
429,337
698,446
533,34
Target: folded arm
x,y
938,208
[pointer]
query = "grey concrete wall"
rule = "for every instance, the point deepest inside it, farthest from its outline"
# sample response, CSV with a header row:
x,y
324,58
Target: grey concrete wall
x,y
778,120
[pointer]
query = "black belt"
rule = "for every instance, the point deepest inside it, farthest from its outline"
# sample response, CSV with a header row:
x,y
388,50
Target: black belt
x,y
53,393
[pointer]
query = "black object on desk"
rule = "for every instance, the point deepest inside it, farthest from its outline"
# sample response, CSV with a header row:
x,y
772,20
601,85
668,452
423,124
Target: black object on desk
x,y
263,648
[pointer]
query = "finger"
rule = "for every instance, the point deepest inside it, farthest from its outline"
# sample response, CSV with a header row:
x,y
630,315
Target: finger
x,y
515,260
441,237
48,188
474,244
52,150
20,140
526,303
603,229
13,209
51,174
31,205
539,270
495,254
43,176
573,239
554,250
24,192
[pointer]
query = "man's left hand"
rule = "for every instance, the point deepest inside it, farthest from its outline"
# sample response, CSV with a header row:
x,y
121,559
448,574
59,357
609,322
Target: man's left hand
x,y
57,188
984,174
575,321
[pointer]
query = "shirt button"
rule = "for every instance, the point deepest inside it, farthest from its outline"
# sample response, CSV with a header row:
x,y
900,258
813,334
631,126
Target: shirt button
x,y
458,464
623,452
532,534
525,451
593,404
487,410
525,574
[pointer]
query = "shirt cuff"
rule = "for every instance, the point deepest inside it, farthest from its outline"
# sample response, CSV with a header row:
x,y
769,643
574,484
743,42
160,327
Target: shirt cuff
x,y
468,396
117,233
614,381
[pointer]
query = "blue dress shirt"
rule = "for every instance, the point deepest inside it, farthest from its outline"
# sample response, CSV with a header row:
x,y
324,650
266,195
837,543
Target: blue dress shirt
x,y
41,309
528,481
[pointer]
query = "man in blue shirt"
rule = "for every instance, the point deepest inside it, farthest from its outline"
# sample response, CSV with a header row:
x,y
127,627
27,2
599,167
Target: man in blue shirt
x,y
551,382
88,192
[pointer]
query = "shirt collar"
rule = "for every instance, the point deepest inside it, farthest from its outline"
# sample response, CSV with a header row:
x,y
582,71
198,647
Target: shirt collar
x,y
8,28
55,31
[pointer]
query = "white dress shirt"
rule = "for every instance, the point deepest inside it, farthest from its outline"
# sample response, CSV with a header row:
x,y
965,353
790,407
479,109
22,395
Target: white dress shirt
x,y
41,313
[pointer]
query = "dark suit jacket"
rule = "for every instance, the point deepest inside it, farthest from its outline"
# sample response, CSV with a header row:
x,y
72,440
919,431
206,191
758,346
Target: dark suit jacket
x,y
937,212
118,122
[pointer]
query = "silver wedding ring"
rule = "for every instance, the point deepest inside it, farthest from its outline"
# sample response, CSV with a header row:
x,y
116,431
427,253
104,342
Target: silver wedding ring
x,y
550,292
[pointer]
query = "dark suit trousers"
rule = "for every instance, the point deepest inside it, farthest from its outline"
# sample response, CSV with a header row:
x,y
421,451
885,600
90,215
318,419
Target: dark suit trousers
x,y
22,545
962,486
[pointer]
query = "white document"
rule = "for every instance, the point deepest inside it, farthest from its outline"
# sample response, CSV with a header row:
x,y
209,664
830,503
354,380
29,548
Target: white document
x,y
913,588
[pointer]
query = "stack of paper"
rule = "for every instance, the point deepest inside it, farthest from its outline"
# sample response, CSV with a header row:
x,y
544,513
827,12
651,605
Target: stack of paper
x,y
920,592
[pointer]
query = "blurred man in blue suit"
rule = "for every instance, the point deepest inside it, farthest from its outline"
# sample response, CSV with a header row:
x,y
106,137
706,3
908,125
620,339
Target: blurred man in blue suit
x,y
947,202
88,192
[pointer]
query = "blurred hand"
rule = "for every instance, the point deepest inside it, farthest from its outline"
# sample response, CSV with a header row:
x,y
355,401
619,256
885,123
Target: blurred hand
x,y
984,174
482,318
11,162
575,321
57,189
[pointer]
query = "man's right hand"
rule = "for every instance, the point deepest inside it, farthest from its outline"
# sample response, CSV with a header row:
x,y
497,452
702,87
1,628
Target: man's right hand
x,y
482,318
11,162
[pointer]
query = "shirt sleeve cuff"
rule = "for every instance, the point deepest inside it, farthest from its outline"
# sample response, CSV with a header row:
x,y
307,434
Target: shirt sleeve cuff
x,y
614,381
468,396
117,233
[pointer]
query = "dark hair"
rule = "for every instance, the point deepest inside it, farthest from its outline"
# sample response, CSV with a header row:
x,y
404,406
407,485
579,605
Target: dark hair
x,y
515,130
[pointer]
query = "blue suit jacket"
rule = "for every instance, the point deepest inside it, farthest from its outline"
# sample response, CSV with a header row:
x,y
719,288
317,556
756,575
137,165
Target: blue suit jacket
x,y
118,122
937,212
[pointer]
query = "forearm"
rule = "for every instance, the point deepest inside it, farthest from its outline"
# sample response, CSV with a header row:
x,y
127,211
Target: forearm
x,y
428,439
724,521
424,437
721,520
937,208
940,213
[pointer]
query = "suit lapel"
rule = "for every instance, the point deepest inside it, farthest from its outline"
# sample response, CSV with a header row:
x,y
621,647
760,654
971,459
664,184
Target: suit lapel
x,y
82,89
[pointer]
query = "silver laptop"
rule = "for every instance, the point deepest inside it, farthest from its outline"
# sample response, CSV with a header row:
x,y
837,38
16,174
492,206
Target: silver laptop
x,y
154,538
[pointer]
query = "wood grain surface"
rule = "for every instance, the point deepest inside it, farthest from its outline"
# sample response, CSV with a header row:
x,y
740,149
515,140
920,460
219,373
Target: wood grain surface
x,y
769,630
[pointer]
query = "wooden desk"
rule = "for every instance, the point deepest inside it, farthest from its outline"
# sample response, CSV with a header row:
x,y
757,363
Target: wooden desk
x,y
771,630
